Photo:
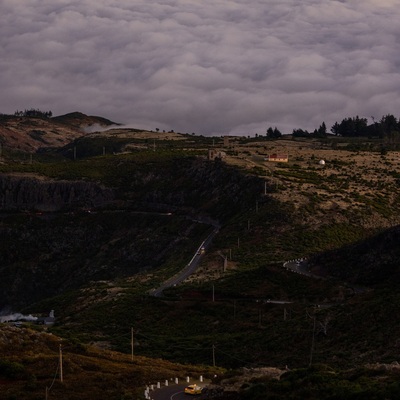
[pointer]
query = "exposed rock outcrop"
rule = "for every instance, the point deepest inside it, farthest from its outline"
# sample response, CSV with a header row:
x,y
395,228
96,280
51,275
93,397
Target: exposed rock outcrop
x,y
35,193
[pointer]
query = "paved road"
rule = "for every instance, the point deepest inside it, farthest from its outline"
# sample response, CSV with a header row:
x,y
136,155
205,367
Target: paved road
x,y
190,267
300,266
174,392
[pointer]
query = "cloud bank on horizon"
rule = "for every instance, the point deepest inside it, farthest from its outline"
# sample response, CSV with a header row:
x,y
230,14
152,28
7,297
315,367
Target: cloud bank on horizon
x,y
209,67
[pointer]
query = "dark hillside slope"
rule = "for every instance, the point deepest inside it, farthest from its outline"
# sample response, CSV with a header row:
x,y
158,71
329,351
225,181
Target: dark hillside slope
x,y
54,253
44,255
373,261
211,188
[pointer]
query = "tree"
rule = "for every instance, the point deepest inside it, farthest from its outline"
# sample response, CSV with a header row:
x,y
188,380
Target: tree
x,y
277,132
273,133
300,133
389,129
335,129
33,113
322,130
353,126
389,123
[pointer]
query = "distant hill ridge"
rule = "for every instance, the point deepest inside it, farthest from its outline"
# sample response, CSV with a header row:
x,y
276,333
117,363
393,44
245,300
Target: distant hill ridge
x,y
80,120
31,133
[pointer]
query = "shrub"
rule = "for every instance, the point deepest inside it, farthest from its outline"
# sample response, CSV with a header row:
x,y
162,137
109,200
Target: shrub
x,y
11,369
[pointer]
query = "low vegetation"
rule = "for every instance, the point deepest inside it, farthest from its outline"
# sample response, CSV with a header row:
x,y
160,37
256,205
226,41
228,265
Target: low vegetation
x,y
95,266
31,362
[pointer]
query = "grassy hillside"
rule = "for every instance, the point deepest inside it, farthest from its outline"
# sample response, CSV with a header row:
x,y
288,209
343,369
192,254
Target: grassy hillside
x,y
30,367
95,268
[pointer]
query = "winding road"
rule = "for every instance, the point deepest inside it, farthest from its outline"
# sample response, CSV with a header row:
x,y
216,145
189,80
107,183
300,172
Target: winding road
x,y
190,267
174,392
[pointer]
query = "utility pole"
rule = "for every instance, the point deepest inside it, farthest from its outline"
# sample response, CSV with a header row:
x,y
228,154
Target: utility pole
x,y
61,366
213,355
312,342
132,344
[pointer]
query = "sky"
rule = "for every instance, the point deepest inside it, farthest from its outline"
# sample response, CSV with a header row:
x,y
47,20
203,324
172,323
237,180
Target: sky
x,y
210,67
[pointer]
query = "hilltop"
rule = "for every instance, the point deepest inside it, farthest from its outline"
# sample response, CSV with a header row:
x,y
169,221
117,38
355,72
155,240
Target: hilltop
x,y
84,122
31,133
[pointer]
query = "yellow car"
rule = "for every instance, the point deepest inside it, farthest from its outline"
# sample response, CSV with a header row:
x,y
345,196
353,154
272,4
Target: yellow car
x,y
192,389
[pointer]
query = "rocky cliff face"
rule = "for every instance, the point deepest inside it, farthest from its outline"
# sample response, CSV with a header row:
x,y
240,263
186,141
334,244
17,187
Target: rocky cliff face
x,y
33,193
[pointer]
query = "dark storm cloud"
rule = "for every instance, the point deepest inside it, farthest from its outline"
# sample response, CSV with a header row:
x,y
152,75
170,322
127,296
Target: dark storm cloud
x,y
208,67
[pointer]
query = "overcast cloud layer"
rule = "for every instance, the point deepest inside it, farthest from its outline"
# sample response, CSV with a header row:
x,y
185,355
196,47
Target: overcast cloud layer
x,y
209,66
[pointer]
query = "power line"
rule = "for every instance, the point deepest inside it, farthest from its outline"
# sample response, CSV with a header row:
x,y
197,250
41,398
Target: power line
x,y
48,388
